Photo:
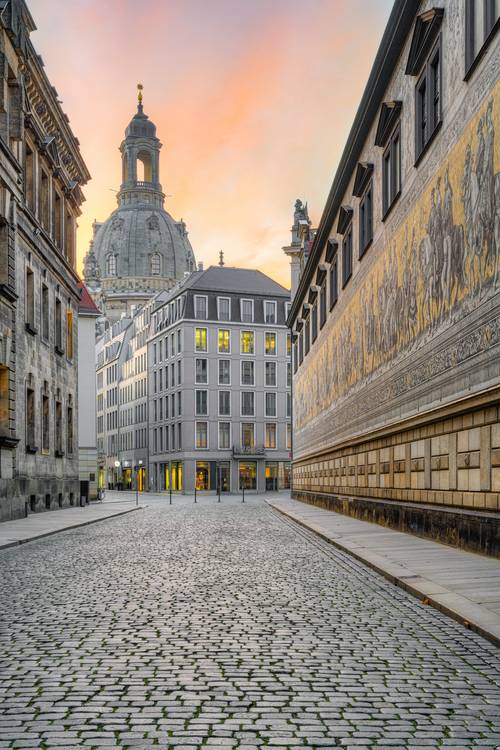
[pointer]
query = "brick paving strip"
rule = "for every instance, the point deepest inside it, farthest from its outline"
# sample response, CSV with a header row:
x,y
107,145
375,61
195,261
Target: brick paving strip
x,y
462,585
38,525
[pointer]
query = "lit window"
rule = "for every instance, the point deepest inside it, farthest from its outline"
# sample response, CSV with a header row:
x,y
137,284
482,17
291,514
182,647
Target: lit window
x,y
248,435
270,343
200,339
270,435
224,341
247,342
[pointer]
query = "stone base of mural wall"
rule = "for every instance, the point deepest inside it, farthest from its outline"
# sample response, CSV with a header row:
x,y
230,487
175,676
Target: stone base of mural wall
x,y
476,532
18,496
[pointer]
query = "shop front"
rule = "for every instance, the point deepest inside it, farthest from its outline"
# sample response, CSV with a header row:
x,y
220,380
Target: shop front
x,y
248,475
271,475
177,476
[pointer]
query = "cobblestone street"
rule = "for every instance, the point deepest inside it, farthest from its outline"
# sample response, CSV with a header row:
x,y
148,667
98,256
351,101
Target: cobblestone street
x,y
225,626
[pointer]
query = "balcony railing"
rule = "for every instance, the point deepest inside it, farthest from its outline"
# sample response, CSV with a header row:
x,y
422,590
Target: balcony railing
x,y
246,451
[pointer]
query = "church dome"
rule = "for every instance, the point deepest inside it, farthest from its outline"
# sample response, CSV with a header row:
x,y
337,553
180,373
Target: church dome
x,y
140,244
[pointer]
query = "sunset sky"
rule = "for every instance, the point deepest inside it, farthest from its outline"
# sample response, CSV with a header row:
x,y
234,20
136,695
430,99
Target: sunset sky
x,y
253,101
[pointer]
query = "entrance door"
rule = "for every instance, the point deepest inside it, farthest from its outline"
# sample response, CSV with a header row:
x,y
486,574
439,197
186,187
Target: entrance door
x,y
202,475
271,477
225,476
248,475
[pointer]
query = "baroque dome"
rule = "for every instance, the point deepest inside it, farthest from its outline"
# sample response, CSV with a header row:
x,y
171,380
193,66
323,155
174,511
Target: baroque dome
x,y
140,246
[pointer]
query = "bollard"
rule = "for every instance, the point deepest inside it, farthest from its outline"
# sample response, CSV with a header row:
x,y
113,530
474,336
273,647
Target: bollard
x,y
170,495
243,494
195,493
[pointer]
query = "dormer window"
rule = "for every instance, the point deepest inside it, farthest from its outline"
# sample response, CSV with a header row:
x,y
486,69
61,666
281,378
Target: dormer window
x,y
482,20
155,264
111,265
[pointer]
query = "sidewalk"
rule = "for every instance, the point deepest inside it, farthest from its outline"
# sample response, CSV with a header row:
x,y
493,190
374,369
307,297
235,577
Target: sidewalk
x,y
463,585
38,525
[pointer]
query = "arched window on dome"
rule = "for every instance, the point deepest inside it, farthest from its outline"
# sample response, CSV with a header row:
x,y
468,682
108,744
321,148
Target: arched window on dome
x,y
144,166
111,265
155,264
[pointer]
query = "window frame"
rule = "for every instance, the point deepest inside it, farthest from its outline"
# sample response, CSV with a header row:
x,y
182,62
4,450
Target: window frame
x,y
196,342
275,353
200,447
219,412
200,297
389,199
252,394
224,351
198,413
275,384
267,426
490,28
274,306
253,434
221,448
219,299
247,354
243,362
365,220
424,138
275,415
219,362
198,382
247,299
347,247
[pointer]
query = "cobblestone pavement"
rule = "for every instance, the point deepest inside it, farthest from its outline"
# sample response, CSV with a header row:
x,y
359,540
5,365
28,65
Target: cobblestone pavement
x,y
224,626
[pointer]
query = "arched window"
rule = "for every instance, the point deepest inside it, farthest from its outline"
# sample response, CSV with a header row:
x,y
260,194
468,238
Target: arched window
x,y
111,265
155,265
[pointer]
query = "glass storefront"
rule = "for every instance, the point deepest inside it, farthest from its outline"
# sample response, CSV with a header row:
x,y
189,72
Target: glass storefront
x,y
202,475
285,475
271,476
127,479
141,480
177,475
224,469
248,475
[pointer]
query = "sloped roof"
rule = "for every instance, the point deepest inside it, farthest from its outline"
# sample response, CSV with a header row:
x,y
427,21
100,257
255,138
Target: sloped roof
x,y
236,280
86,306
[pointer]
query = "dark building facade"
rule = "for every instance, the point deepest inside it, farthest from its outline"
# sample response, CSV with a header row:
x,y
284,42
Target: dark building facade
x,y
41,174
396,319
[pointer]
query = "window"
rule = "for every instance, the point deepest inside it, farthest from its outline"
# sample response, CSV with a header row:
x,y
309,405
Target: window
x,y
201,434
246,308
247,342
248,372
224,372
58,326
29,183
44,210
322,305
391,171
288,374
248,435
288,306
288,404
200,307
428,101
179,341
111,265
481,21
57,218
179,436
69,427
271,404
59,427
224,435
45,312
314,322
289,436
224,308
200,340
179,403
270,347
334,282
270,431
30,419
289,344
69,333
366,220
202,403
307,336
224,341
179,372
270,312
45,420
155,264
30,301
247,403
347,256
225,403
270,373
201,373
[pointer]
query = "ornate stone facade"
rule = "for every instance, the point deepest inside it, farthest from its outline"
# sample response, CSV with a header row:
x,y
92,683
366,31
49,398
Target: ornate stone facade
x,y
42,172
396,397
140,249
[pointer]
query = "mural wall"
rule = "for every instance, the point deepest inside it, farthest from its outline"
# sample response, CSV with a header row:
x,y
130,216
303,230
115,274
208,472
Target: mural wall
x,y
441,266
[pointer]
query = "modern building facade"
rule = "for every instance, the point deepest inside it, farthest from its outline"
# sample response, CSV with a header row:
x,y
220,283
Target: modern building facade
x,y
140,249
396,318
87,425
41,176
219,369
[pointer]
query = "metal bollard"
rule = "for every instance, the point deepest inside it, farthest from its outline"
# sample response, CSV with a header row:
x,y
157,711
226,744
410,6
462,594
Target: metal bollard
x,y
243,494
195,493
170,495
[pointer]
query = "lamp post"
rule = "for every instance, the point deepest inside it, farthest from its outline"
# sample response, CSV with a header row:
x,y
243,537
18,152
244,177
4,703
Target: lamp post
x,y
117,466
137,470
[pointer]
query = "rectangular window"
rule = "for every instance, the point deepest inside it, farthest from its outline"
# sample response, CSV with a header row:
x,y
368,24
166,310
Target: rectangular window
x,y
366,220
224,372
201,403
347,256
59,429
301,347
224,435
179,341
391,171
30,419
179,403
45,312
270,345
247,372
314,322
289,345
289,436
270,374
29,182
201,374
200,339
247,404
201,434
288,374
247,342
307,336
179,436
46,423
69,333
200,307
322,305
481,19
333,281
246,309
225,403
428,101
224,308
271,404
248,435
270,312
30,301
224,337
179,372
58,326
288,404
44,208
69,430
270,435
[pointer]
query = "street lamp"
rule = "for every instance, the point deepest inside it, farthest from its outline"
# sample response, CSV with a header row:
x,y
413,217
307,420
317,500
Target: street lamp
x,y
117,466
137,469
